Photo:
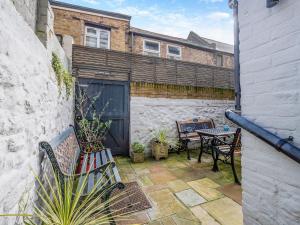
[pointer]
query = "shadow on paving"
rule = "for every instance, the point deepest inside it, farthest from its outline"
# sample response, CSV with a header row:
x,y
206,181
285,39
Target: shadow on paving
x,y
184,191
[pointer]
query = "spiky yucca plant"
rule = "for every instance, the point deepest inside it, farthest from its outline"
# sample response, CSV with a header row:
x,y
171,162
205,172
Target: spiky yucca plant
x,y
63,204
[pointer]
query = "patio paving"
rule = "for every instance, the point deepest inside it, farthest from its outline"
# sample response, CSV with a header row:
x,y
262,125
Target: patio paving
x,y
184,192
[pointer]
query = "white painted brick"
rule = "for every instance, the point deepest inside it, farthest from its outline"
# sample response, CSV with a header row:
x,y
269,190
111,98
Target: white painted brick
x,y
270,98
153,114
31,108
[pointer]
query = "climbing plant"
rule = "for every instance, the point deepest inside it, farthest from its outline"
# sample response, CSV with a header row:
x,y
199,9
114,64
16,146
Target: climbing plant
x,y
62,75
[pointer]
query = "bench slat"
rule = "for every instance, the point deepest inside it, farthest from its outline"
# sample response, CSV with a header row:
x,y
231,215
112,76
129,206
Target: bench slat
x,y
83,170
91,175
104,161
114,169
98,164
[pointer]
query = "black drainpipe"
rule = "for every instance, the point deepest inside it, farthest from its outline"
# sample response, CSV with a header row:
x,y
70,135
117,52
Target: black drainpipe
x,y
233,4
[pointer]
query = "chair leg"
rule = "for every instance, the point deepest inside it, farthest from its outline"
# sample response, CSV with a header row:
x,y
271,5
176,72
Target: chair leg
x,y
236,179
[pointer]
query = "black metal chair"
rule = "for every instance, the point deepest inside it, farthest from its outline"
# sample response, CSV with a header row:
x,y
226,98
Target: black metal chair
x,y
227,150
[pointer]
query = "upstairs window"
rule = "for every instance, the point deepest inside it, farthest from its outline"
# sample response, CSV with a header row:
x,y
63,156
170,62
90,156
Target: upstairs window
x,y
174,52
151,48
219,60
97,38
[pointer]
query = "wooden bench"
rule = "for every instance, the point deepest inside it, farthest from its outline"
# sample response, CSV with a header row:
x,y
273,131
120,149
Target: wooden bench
x,y
186,132
65,153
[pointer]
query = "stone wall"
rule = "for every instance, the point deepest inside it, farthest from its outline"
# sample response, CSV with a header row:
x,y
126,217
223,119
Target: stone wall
x,y
31,108
148,115
188,54
28,9
68,22
270,81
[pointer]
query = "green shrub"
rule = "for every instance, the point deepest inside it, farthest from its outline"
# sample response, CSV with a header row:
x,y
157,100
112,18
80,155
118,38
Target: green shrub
x,y
137,147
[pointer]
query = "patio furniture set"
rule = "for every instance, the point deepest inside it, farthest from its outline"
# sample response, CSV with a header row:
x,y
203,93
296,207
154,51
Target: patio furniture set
x,y
210,137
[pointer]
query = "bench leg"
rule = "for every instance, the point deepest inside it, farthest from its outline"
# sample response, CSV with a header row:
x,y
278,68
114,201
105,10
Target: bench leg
x,y
201,150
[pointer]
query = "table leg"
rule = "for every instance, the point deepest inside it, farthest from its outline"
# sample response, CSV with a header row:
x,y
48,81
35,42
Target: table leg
x,y
215,157
201,149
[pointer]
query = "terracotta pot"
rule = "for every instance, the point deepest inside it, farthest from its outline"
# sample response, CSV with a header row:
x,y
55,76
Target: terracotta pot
x,y
160,150
137,157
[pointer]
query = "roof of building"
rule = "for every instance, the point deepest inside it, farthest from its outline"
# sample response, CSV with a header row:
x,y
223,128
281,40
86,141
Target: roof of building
x,y
82,8
220,46
193,40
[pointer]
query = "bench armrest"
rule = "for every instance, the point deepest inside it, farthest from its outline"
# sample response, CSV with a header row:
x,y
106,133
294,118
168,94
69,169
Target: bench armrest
x,y
101,168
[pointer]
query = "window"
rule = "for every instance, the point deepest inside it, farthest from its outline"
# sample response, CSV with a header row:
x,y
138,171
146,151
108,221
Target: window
x,y
97,38
174,52
219,60
151,48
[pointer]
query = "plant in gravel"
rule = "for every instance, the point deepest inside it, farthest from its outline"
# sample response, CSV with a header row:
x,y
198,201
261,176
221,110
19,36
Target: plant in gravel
x,y
62,75
91,128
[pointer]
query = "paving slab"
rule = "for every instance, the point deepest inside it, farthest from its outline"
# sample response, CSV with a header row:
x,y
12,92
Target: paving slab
x,y
233,191
225,211
162,177
203,216
206,188
178,185
182,221
145,180
190,198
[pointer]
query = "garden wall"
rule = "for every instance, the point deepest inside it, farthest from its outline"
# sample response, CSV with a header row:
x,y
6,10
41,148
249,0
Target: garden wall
x,y
148,115
270,81
31,109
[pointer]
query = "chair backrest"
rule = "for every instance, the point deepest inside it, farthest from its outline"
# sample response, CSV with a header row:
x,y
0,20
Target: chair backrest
x,y
63,151
191,125
236,143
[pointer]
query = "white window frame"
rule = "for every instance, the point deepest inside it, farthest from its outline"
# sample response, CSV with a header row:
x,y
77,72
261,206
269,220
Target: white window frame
x,y
148,50
98,30
174,55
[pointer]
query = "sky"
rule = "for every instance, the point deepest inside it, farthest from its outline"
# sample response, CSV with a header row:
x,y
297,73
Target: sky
x,y
208,18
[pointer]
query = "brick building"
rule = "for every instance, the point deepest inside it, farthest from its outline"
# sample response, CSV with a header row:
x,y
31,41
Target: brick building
x,y
102,29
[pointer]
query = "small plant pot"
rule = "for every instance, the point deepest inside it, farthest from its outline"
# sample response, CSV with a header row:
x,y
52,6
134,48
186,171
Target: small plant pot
x,y
160,150
137,157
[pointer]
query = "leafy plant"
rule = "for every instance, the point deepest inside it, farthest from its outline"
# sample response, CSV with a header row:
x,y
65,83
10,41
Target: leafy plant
x,y
161,137
62,75
92,130
137,147
65,206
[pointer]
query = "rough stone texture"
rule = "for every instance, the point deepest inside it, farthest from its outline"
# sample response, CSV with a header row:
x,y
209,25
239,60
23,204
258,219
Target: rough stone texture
x,y
72,23
188,54
148,115
28,9
31,108
270,80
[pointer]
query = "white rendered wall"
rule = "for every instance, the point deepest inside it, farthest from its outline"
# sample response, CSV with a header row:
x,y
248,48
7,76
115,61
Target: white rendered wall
x,y
270,83
148,115
31,109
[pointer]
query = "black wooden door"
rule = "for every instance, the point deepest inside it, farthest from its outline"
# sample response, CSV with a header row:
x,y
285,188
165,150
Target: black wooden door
x,y
114,98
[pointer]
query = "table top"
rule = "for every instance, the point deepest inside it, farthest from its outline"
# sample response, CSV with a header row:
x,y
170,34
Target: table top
x,y
213,132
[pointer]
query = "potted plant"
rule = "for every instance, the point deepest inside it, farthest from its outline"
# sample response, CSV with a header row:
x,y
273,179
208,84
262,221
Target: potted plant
x,y
160,145
137,153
